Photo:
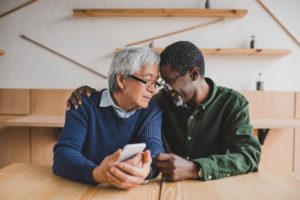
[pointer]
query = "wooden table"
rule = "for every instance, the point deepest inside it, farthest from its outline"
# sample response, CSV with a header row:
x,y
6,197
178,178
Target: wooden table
x,y
23,181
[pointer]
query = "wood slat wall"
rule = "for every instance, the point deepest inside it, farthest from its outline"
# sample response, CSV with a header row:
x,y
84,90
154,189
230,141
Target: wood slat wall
x,y
48,102
277,151
297,137
14,102
14,145
35,145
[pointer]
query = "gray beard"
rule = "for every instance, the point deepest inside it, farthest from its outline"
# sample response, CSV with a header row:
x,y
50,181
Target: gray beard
x,y
177,100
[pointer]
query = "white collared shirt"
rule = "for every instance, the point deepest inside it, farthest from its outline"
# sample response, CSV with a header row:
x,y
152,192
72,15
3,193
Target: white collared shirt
x,y
106,101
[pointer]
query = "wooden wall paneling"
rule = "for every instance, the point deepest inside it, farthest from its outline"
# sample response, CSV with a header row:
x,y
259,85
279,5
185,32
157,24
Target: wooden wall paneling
x,y
297,105
297,151
14,102
297,137
271,104
49,102
277,152
14,145
42,142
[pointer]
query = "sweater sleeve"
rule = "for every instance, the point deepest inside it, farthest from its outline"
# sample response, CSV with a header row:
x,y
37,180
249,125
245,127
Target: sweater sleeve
x,y
68,159
151,135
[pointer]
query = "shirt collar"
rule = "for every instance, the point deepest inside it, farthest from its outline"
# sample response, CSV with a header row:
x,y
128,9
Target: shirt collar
x,y
211,95
106,101
212,92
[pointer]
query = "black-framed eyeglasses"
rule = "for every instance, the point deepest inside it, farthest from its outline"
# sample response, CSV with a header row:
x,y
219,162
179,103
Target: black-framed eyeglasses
x,y
147,83
167,84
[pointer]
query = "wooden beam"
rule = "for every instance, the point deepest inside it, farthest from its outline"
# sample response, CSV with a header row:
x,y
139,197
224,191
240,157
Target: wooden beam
x,y
176,32
17,8
144,12
278,22
63,56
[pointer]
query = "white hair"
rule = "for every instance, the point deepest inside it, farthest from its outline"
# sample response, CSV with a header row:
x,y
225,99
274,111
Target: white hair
x,y
130,60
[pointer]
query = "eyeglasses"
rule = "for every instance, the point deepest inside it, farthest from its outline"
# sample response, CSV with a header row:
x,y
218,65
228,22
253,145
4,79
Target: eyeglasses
x,y
167,84
147,83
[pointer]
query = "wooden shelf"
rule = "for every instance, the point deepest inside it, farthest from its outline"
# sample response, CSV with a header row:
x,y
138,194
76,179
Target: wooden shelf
x,y
2,52
269,123
160,12
36,121
238,52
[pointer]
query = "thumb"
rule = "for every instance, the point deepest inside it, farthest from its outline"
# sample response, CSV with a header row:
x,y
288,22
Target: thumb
x,y
147,157
116,155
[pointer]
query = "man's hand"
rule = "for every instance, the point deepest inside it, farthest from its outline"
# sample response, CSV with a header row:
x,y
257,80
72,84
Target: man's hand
x,y
99,173
176,168
130,174
75,99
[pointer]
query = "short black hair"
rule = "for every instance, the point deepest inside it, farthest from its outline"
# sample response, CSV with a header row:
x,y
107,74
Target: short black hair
x,y
183,56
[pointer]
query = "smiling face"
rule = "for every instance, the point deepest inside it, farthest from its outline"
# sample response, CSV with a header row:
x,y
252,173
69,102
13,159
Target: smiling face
x,y
136,94
182,86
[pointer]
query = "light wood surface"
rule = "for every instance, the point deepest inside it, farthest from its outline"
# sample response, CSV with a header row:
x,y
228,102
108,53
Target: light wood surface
x,y
270,104
297,137
42,143
275,109
242,52
261,185
160,12
36,121
14,145
49,102
2,52
14,102
21,181
268,123
297,115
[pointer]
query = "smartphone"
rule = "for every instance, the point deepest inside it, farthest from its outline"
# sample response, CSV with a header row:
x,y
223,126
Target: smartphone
x,y
131,150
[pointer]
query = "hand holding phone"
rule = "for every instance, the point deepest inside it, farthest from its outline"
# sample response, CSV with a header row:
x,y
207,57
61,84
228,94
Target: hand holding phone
x,y
130,150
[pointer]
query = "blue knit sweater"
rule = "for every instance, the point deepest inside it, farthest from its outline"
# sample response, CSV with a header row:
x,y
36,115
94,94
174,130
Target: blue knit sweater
x,y
91,133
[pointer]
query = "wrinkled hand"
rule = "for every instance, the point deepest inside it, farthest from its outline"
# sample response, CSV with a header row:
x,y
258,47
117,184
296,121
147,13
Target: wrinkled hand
x,y
76,97
176,168
99,173
130,173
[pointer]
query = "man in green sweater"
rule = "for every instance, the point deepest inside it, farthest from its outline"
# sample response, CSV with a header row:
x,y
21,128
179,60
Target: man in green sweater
x,y
206,128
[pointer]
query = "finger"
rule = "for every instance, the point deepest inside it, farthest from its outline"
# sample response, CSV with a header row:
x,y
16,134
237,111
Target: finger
x,y
78,98
163,164
122,177
118,183
165,170
74,102
68,105
115,156
164,156
135,160
131,170
147,157
168,177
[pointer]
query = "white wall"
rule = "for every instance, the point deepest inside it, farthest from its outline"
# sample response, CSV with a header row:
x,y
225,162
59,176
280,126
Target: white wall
x,y
91,41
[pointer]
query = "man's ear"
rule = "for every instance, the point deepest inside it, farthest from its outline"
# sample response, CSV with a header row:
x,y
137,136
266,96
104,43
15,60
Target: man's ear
x,y
194,73
121,82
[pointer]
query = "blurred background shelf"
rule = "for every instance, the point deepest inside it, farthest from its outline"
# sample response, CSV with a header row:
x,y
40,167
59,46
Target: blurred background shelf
x,y
161,12
238,52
